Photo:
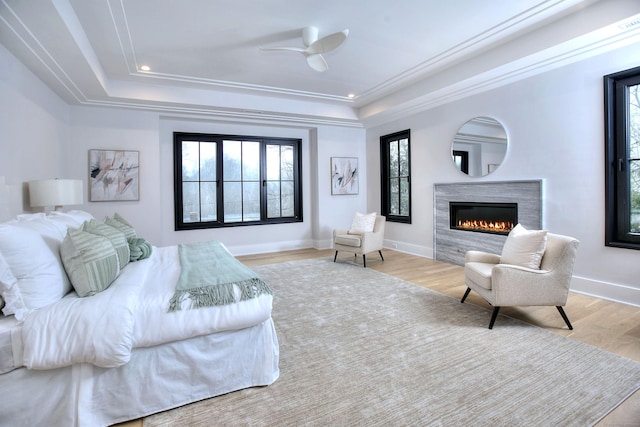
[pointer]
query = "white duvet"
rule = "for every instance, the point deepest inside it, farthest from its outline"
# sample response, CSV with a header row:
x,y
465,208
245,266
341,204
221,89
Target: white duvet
x,y
133,312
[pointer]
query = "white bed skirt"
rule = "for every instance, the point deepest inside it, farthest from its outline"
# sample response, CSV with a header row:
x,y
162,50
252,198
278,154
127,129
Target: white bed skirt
x,y
156,379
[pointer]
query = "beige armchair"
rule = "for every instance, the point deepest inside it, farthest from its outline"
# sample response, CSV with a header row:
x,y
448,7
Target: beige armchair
x,y
505,285
362,243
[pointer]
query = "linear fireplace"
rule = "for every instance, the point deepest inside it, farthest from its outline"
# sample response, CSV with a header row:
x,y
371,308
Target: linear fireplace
x,y
451,243
494,218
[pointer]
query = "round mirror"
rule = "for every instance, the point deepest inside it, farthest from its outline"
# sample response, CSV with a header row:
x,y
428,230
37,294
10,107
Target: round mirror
x,y
479,146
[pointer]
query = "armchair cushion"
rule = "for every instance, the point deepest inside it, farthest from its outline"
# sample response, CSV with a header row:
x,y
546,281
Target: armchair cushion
x,y
363,223
348,240
479,273
524,247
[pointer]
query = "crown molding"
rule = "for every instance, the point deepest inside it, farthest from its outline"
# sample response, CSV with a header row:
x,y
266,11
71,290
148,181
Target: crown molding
x,y
596,43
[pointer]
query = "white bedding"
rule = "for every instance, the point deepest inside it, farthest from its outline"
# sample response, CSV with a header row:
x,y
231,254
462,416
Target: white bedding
x,y
133,312
154,325
8,326
155,379
119,354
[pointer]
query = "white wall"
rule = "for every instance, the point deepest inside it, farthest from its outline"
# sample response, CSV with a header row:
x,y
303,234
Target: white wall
x,y
43,138
153,215
555,126
35,134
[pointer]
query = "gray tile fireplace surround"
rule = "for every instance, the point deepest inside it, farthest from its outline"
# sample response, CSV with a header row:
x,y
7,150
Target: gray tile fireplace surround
x,y
450,245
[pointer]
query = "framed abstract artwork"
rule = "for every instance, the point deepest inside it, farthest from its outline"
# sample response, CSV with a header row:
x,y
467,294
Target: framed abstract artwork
x,y
113,175
344,175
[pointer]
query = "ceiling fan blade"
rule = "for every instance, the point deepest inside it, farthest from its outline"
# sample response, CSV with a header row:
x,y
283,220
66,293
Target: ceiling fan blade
x,y
328,43
291,49
317,62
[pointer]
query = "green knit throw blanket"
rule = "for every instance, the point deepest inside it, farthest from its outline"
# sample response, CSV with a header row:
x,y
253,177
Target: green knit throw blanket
x,y
209,274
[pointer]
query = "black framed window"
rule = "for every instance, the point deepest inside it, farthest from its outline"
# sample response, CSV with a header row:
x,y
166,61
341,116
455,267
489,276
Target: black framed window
x,y
226,180
461,160
622,157
395,158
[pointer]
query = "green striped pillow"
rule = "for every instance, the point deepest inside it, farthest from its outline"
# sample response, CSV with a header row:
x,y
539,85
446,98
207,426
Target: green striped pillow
x,y
121,224
115,236
90,260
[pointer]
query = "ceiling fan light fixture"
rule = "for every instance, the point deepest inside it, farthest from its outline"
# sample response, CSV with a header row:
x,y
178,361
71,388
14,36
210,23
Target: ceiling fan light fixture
x,y
315,47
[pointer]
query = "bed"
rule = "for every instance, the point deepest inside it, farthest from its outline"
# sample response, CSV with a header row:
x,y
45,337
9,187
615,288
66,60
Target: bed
x,y
76,353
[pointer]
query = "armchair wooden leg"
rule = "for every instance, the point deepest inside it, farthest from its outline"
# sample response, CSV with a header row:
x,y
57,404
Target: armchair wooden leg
x,y
381,257
364,260
564,316
335,256
466,294
493,316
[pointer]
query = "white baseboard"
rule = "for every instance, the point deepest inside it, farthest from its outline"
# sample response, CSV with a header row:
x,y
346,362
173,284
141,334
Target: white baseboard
x,y
419,250
264,248
605,290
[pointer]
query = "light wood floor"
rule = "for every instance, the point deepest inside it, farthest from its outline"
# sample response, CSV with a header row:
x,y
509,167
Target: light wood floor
x,y
610,326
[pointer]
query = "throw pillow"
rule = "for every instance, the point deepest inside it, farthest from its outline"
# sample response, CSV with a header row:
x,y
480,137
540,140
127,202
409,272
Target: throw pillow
x,y
139,248
115,236
121,224
363,223
524,247
91,261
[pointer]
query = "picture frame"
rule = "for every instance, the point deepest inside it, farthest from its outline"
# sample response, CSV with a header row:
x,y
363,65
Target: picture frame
x,y
114,175
344,176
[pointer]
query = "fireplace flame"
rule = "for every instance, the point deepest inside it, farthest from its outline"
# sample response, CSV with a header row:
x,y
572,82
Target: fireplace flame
x,y
491,226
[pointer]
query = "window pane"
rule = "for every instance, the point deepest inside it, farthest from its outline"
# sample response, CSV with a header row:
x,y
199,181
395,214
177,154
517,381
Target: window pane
x,y
232,155
209,201
250,161
393,159
190,202
251,201
190,160
634,158
273,162
404,157
232,202
288,199
635,197
394,185
287,162
273,199
207,161
404,196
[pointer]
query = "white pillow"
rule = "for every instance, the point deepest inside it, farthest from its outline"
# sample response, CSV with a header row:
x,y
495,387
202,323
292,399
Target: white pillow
x,y
524,247
66,220
10,292
363,223
34,261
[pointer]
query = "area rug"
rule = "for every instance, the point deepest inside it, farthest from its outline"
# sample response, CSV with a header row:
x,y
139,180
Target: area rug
x,y
359,347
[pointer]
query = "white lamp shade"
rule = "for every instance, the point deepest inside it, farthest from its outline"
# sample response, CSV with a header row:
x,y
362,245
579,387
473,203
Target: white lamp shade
x,y
55,192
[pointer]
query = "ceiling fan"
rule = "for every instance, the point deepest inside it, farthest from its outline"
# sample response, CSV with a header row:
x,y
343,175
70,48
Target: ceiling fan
x,y
315,47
